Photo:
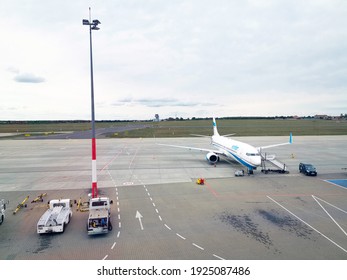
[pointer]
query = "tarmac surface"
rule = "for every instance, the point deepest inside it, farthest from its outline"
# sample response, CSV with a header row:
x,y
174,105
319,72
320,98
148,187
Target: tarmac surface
x,y
262,216
84,134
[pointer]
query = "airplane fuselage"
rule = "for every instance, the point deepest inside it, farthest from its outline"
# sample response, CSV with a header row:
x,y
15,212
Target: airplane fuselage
x,y
241,152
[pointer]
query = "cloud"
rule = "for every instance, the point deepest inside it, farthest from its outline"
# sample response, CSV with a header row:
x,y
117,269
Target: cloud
x,y
28,78
13,70
191,58
160,102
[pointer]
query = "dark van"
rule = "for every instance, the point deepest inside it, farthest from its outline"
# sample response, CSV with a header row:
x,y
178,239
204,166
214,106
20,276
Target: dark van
x,y
307,169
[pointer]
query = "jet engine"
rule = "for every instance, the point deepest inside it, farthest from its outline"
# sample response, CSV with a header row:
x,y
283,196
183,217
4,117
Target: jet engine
x,y
212,158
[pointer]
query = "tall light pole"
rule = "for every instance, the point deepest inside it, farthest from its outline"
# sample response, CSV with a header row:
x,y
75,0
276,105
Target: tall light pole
x,y
93,25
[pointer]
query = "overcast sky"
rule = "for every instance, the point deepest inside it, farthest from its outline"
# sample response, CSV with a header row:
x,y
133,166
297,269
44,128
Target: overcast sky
x,y
177,58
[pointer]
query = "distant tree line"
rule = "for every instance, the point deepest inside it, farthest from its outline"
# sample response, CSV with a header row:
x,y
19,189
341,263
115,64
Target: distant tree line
x,y
61,121
232,118
326,117
342,116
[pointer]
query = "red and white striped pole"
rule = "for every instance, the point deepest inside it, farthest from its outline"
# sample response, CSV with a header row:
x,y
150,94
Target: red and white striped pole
x,y
92,26
94,176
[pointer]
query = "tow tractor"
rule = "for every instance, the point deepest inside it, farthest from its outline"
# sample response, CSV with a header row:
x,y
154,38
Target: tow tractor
x,y
2,210
99,221
56,217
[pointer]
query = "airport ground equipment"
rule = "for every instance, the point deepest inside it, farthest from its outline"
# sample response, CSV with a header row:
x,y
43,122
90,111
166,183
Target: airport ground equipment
x,y
21,205
239,173
99,220
82,206
2,210
307,169
200,181
39,198
276,165
56,217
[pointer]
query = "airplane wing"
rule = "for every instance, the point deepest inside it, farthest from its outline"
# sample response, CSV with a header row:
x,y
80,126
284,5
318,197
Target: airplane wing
x,y
276,145
217,152
209,136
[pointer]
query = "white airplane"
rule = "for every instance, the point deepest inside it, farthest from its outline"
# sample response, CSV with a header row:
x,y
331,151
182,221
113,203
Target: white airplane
x,y
241,152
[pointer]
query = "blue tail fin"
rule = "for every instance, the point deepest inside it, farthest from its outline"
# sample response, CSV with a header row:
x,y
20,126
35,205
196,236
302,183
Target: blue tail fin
x,y
215,131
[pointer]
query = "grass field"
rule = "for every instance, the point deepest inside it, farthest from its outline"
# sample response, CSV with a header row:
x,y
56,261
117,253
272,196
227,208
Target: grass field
x,y
53,126
242,127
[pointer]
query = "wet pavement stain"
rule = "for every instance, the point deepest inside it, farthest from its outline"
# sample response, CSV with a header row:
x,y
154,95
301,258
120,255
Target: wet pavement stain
x,y
45,242
286,223
300,199
245,225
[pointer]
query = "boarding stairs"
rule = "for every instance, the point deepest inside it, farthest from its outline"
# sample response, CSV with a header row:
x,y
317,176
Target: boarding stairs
x,y
269,163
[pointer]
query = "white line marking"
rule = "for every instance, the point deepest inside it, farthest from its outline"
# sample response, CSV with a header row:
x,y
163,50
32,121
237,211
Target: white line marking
x,y
148,194
151,199
180,236
157,210
117,198
153,204
331,204
114,244
118,234
160,218
167,227
118,209
315,198
343,249
116,193
120,224
118,216
218,257
197,246
117,203
105,257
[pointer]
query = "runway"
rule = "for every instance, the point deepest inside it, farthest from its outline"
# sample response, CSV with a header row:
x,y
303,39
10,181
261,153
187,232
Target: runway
x,y
264,216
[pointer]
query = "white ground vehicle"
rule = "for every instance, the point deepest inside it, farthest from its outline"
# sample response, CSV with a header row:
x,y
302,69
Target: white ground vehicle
x,y
239,173
99,216
2,210
56,217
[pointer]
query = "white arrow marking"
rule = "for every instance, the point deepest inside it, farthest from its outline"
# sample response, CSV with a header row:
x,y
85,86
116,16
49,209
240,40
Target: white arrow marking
x,y
139,216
